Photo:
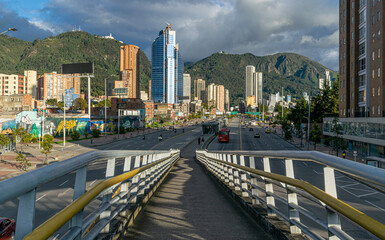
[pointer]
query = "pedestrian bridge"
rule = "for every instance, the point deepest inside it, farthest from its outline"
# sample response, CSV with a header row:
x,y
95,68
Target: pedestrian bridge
x,y
264,197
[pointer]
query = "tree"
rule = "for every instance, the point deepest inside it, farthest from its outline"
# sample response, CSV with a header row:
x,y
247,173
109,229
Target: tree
x,y
46,145
4,141
315,134
51,102
19,134
80,103
96,133
22,162
337,140
101,103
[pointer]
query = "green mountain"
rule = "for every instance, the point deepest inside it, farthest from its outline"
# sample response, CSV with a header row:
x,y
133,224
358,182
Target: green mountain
x,y
49,54
288,70
291,71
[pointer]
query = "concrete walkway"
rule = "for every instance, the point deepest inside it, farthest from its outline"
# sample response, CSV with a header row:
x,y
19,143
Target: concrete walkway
x,y
190,205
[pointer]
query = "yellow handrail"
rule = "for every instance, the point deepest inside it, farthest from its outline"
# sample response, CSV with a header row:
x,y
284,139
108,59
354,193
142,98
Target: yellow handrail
x,y
363,220
49,227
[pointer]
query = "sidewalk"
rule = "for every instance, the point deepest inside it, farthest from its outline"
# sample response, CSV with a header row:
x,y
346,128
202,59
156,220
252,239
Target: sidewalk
x,y
9,167
296,141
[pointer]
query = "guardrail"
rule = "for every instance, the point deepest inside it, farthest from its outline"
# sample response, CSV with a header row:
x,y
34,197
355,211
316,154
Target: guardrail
x,y
143,172
237,170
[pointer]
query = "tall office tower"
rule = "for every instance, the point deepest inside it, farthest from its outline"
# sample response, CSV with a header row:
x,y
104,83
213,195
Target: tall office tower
x,y
187,86
166,63
220,97
328,78
361,59
250,81
31,77
179,74
199,89
227,100
129,69
211,95
259,87
52,85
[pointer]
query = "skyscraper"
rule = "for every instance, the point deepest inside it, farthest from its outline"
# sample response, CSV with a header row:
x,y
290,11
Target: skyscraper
x,y
227,100
129,70
250,81
167,67
259,87
199,89
220,97
187,86
211,95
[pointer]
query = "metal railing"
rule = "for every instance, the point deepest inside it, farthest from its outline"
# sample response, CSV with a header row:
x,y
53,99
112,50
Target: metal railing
x,y
237,170
142,173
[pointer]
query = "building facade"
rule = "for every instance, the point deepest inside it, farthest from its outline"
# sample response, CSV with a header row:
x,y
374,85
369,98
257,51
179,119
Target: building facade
x,y
129,69
199,89
250,81
186,86
52,85
254,85
13,84
31,77
167,68
220,98
16,103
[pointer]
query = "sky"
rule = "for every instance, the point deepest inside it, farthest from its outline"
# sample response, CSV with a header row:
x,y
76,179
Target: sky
x,y
203,27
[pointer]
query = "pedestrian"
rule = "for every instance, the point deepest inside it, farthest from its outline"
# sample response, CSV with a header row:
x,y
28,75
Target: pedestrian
x,y
199,141
92,140
344,154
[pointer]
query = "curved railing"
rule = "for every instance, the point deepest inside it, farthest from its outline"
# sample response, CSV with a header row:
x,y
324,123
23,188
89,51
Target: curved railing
x,y
237,169
143,171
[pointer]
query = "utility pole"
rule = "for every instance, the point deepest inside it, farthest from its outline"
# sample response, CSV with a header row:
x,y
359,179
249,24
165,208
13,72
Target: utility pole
x,y
64,111
282,103
89,96
105,107
118,123
308,118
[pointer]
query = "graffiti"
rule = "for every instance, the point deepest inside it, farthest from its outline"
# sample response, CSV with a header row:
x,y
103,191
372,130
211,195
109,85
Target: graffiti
x,y
131,122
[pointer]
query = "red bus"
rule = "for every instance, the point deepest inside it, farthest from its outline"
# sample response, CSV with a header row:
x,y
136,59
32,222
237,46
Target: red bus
x,y
224,135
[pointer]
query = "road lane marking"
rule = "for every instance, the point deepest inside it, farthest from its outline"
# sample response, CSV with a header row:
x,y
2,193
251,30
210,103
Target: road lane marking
x,y
56,237
352,184
40,197
374,205
367,194
305,164
317,172
62,194
92,183
63,183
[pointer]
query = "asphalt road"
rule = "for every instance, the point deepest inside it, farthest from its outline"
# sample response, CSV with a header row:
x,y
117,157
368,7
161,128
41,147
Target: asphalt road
x,y
55,195
350,191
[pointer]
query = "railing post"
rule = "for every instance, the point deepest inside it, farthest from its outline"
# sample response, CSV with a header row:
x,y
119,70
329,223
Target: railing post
x,y
143,176
124,187
243,178
236,174
226,168
135,180
331,189
254,181
269,188
292,198
230,172
25,214
79,190
110,172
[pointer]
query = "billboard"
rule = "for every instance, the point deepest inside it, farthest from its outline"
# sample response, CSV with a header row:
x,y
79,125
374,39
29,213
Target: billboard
x,y
77,68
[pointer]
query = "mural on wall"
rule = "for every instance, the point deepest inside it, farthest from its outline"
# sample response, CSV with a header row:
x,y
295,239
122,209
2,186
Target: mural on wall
x,y
35,125
131,122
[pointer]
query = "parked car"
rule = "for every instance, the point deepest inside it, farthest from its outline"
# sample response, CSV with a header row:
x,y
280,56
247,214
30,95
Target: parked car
x,y
257,135
7,228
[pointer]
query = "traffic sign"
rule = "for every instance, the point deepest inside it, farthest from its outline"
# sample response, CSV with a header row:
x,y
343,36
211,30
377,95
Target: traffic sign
x,y
355,153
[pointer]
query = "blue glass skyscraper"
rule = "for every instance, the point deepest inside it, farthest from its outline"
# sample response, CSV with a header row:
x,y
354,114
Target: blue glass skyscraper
x,y
165,60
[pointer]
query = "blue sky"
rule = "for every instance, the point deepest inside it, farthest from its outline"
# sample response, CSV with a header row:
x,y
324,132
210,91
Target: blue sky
x,y
261,27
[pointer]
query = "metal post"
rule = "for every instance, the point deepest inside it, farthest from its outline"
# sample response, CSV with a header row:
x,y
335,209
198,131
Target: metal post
x,y
64,110
308,118
89,96
282,103
105,107
118,122
292,198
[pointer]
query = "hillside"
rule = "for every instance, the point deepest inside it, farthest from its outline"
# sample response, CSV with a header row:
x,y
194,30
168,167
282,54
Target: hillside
x,y
288,70
49,54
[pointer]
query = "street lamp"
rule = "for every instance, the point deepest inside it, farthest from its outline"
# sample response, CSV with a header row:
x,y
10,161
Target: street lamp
x,y
9,30
308,118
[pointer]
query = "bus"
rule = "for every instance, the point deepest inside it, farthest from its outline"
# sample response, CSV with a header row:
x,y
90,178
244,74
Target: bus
x,y
224,135
375,161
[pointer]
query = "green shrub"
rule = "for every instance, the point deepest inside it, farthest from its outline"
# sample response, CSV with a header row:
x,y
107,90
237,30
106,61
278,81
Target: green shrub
x,y
96,133
75,135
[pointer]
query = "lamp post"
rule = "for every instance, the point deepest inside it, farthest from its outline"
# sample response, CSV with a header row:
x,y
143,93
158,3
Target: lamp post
x,y
9,30
308,118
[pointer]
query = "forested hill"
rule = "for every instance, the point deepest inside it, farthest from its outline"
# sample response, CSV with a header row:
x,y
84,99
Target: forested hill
x,y
49,54
288,70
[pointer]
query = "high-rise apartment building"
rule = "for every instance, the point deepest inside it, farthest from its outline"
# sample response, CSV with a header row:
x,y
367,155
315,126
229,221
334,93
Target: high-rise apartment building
x,y
13,84
361,80
211,95
31,77
250,81
129,69
199,89
167,68
220,97
187,86
254,86
52,85
227,100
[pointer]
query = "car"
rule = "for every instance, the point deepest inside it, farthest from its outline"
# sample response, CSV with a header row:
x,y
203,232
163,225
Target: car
x,y
251,129
257,135
7,228
267,131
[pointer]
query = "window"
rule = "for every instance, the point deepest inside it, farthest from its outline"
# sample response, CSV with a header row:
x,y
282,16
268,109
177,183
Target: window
x,y
373,73
373,37
379,72
362,64
352,80
378,109
373,91
379,91
373,55
378,16
362,32
379,34
373,19
361,17
379,53
352,35
352,20
373,110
